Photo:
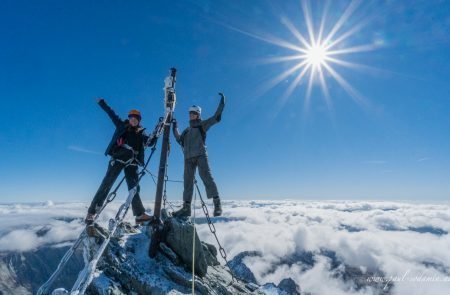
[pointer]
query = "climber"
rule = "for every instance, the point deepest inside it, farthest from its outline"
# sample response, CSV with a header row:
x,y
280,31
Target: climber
x,y
127,152
192,140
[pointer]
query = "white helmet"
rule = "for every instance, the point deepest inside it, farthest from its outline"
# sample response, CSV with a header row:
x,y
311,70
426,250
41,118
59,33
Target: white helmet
x,y
196,109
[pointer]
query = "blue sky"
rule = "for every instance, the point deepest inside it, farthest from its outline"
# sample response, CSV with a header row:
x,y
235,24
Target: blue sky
x,y
56,57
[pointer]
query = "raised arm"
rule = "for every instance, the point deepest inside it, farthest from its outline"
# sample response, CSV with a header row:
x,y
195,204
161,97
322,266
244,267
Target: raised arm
x,y
217,115
114,117
176,133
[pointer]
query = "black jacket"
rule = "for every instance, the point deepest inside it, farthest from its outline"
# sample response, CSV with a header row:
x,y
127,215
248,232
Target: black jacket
x,y
121,128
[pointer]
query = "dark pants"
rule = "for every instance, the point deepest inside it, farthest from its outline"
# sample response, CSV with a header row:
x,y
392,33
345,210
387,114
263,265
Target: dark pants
x,y
190,165
131,177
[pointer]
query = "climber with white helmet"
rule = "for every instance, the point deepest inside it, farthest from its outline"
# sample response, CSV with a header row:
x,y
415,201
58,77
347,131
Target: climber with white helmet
x,y
192,140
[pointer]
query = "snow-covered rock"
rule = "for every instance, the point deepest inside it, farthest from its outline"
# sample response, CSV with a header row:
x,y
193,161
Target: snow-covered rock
x,y
126,268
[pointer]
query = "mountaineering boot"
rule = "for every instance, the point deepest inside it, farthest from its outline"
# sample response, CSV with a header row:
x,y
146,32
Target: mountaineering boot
x,y
144,217
89,219
217,207
185,211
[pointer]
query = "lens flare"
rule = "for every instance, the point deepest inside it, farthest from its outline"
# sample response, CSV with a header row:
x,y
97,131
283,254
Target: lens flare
x,y
315,58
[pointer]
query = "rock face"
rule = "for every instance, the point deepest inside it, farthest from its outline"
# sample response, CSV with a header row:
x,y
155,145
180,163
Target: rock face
x,y
306,260
126,268
24,272
240,270
179,237
289,286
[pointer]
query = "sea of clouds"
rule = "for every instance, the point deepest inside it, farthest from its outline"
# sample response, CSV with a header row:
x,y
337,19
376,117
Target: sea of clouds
x,y
393,238
406,243
25,227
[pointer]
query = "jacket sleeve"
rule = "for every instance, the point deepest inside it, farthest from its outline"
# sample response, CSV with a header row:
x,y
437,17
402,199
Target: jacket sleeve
x,y
177,135
114,117
216,117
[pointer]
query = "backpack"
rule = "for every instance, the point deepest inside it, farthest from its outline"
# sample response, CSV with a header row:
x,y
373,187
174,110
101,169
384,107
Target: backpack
x,y
202,133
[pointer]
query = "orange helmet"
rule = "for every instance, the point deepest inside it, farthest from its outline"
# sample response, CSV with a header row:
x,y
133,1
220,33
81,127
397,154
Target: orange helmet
x,y
135,113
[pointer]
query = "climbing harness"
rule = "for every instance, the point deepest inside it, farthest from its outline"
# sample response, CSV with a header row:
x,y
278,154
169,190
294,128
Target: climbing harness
x,y
112,195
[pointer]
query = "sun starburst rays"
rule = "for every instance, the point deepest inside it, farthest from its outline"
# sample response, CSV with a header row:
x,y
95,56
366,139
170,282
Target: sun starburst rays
x,y
317,53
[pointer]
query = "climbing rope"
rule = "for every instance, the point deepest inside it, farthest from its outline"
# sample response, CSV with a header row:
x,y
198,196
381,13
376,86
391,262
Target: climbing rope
x,y
155,134
193,248
112,195
166,179
212,228
179,181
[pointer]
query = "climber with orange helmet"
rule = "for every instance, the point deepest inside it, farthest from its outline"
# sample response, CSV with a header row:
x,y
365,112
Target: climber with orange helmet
x,y
127,152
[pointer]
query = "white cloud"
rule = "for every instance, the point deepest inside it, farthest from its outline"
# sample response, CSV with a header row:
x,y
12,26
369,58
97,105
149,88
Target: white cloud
x,y
25,227
19,240
381,240
370,235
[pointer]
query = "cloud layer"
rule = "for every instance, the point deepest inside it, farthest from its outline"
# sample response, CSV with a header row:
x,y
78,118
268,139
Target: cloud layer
x,y
396,239
25,227
404,242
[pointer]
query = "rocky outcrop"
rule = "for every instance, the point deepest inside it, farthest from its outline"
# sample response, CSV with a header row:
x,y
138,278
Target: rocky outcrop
x,y
180,237
240,270
24,272
358,278
289,286
126,268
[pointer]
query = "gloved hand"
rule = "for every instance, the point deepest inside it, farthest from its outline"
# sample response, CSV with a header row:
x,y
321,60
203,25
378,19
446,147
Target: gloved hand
x,y
151,140
100,99
222,97
221,106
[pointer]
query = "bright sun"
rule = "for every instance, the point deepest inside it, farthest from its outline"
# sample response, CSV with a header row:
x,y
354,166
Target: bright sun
x,y
315,57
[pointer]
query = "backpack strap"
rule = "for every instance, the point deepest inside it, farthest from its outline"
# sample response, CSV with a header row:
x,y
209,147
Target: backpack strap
x,y
199,127
183,134
202,132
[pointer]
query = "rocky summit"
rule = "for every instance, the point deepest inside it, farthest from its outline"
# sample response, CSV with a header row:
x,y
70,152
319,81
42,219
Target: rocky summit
x,y
126,268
